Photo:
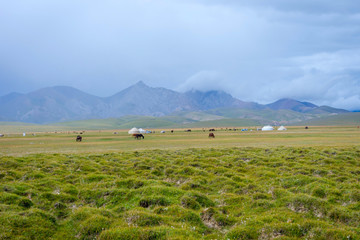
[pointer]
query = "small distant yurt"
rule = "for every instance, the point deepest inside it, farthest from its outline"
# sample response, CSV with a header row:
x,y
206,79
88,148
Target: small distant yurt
x,y
267,128
282,128
142,130
134,131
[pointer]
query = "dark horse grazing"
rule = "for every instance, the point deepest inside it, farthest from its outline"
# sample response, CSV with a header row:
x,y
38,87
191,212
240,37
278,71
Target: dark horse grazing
x,y
138,136
211,135
79,138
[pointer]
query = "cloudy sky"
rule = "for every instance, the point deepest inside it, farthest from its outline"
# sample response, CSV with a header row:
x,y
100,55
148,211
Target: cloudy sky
x,y
257,50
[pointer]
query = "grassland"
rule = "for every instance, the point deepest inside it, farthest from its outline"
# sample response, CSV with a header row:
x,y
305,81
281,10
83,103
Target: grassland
x,y
107,141
296,184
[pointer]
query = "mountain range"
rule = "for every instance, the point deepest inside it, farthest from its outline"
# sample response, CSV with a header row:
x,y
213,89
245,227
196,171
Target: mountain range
x,y
62,103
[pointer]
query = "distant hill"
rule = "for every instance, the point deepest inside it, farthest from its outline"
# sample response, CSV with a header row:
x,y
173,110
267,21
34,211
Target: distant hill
x,y
61,103
349,118
51,105
291,104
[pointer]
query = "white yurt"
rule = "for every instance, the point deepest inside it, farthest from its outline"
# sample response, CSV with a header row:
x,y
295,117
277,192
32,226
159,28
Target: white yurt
x,y
282,128
267,128
134,130
142,130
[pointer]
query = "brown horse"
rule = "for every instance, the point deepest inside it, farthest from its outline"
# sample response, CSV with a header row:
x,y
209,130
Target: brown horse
x,y
79,138
138,136
211,135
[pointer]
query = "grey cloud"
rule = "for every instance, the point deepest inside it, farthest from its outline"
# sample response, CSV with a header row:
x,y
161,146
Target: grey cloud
x,y
308,6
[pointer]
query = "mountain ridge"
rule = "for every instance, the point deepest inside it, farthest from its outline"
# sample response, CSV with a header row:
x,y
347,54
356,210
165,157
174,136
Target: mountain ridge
x,y
63,103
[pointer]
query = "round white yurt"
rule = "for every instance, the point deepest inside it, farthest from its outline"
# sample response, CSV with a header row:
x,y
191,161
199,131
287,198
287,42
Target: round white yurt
x,y
134,130
267,128
282,128
142,130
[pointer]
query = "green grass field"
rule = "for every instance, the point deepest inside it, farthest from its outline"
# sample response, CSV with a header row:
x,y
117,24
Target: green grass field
x,y
294,184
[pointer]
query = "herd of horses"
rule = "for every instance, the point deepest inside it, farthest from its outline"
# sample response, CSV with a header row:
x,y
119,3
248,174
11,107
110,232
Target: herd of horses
x,y
139,136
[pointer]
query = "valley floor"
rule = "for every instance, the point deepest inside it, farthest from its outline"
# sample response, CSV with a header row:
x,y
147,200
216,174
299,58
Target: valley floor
x,y
119,140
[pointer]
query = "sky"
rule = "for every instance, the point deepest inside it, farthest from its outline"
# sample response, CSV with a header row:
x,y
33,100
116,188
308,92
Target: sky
x,y
256,50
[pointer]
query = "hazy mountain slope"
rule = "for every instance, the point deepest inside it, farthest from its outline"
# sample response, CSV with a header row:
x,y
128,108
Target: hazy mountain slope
x,y
218,99
349,118
326,110
291,104
264,116
198,116
52,104
141,99
56,104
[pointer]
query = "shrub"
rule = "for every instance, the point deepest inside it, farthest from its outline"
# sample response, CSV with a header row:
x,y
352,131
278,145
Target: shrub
x,y
153,201
142,219
355,195
130,183
26,226
189,202
49,196
96,178
93,226
201,199
192,218
319,192
25,203
244,233
134,234
303,203
8,198
341,215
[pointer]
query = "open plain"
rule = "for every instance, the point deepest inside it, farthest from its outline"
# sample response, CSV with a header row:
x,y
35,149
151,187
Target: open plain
x,y
101,141
294,184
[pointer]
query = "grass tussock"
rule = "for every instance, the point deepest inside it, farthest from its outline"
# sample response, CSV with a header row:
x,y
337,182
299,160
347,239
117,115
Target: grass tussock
x,y
233,193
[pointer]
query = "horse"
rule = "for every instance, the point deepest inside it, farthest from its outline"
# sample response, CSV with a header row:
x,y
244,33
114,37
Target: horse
x,y
79,138
211,129
138,136
211,135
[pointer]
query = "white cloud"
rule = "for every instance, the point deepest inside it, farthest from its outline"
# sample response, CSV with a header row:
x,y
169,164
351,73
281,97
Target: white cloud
x,y
204,81
325,79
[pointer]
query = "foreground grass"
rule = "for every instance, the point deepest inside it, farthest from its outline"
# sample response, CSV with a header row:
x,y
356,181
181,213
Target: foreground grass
x,y
233,193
